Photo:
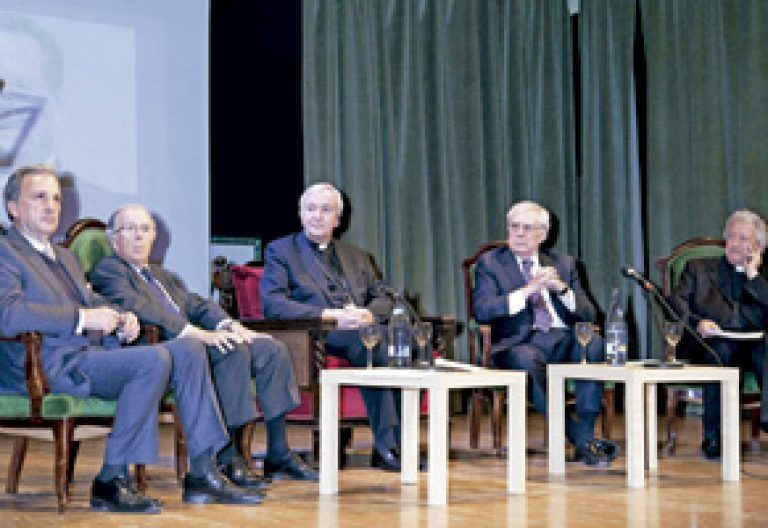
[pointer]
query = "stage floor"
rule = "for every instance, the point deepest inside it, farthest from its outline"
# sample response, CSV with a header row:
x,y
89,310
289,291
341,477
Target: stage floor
x,y
686,491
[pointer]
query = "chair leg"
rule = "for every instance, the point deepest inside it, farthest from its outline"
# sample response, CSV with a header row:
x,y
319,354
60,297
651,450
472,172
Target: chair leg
x,y
180,447
63,433
141,477
17,462
671,421
474,419
754,419
74,450
496,422
246,444
609,412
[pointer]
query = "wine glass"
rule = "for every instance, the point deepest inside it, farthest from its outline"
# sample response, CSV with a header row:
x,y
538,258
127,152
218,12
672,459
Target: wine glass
x,y
371,336
584,333
673,332
422,333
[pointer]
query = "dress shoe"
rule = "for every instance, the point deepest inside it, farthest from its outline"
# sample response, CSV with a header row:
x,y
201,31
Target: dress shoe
x,y
119,496
238,472
215,488
711,448
597,452
388,461
290,468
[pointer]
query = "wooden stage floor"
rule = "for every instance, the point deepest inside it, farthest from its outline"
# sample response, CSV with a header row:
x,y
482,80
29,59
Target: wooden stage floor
x,y
686,491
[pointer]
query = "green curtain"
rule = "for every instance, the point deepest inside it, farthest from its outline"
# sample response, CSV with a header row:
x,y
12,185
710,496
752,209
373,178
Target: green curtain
x,y
707,115
434,117
611,234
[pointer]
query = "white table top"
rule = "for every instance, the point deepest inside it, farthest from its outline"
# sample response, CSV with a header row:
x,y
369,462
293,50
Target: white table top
x,y
421,378
636,372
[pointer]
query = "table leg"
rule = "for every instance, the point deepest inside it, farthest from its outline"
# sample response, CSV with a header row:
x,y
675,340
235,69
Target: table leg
x,y
516,428
329,438
556,410
635,419
652,425
438,446
729,403
409,442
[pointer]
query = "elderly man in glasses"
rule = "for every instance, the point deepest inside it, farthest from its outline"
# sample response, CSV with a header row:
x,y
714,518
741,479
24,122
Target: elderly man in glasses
x,y
237,354
532,299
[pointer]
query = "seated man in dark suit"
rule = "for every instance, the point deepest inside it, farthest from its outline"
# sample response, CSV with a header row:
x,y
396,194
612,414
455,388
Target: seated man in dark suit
x,y
727,293
532,299
312,275
42,289
159,297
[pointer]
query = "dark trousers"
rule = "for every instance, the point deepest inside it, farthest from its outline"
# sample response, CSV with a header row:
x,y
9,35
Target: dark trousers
x,y
195,396
557,346
137,378
272,371
382,405
746,355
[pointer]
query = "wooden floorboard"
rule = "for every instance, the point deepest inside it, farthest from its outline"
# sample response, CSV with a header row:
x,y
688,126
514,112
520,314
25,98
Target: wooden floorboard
x,y
686,491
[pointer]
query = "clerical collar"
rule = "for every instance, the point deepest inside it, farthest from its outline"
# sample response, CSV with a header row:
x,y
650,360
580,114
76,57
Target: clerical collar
x,y
739,269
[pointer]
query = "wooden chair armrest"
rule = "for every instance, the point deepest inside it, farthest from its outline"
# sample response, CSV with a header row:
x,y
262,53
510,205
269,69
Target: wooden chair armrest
x,y
266,325
151,333
34,375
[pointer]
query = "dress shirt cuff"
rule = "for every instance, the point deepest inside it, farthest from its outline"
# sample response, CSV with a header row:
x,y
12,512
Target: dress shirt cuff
x,y
569,300
186,330
515,302
224,324
80,321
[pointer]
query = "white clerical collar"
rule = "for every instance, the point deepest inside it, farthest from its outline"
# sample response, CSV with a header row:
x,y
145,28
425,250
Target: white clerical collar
x,y
740,269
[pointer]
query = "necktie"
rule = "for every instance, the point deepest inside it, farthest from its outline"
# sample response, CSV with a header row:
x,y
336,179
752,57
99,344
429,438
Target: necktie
x,y
542,319
159,292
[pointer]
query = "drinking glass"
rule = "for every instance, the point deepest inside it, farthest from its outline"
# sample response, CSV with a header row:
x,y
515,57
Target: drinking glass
x,y
371,336
673,332
584,333
422,333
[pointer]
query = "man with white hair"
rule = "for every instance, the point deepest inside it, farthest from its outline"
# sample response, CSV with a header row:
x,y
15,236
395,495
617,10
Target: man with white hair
x,y
312,275
727,293
532,300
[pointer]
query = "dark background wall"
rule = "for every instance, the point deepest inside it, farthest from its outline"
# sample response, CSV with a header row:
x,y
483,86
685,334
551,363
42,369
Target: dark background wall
x,y
256,136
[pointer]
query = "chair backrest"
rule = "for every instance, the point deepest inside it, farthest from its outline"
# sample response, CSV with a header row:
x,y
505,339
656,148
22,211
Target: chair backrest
x,y
87,240
671,266
468,272
247,283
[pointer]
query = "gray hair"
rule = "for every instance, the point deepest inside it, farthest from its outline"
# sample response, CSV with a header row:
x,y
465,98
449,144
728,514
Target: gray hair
x,y
13,185
527,206
322,186
111,223
747,216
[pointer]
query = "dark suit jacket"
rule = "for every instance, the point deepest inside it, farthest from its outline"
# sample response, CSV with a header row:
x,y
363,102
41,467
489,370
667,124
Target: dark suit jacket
x,y
119,282
33,300
497,274
294,287
707,290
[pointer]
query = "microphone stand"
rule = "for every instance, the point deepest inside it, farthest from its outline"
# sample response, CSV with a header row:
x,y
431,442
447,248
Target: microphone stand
x,y
647,286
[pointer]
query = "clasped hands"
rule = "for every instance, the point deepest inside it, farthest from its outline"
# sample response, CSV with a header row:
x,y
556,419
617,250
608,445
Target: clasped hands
x,y
348,318
544,278
108,320
226,338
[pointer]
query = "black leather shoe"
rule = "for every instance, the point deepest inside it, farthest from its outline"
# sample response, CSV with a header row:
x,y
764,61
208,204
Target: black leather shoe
x,y
388,461
119,496
597,452
291,467
238,472
215,488
711,448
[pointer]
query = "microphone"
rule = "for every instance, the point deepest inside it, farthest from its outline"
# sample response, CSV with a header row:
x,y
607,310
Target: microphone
x,y
2,85
651,288
639,278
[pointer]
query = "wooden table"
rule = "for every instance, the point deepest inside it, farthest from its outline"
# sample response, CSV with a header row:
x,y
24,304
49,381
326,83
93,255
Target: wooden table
x,y
437,383
641,409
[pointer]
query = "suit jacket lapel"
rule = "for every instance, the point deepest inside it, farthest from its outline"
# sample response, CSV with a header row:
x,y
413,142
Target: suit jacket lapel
x,y
724,282
512,269
75,274
347,268
36,262
311,264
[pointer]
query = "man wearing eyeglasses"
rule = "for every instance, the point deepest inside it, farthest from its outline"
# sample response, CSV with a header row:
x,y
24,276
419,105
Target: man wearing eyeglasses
x,y
532,299
237,354
312,275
